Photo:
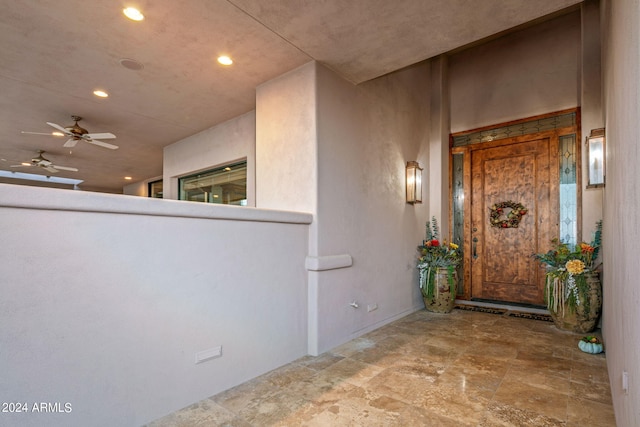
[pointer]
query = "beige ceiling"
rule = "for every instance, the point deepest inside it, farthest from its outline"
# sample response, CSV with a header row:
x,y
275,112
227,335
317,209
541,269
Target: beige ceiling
x,y
54,53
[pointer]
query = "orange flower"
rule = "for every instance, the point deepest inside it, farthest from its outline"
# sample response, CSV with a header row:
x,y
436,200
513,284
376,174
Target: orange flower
x,y
586,248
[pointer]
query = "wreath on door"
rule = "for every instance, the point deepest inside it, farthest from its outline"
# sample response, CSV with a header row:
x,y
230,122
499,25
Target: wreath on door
x,y
501,218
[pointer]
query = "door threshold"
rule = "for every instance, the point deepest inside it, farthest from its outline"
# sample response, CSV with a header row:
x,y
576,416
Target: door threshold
x,y
503,306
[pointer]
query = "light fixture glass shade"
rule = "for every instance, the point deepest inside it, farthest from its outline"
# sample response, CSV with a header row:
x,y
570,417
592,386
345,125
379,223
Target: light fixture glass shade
x,y
414,182
596,158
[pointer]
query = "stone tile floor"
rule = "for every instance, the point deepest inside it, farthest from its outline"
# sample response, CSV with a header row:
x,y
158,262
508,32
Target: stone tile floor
x,y
460,369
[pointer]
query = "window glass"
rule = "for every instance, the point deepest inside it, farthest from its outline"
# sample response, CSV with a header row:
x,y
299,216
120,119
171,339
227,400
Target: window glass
x,y
568,190
155,189
224,185
458,211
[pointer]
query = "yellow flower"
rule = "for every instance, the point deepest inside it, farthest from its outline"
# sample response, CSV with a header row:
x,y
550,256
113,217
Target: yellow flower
x,y
575,266
453,245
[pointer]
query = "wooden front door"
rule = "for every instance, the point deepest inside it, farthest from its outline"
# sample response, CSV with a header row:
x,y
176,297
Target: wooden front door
x,y
516,171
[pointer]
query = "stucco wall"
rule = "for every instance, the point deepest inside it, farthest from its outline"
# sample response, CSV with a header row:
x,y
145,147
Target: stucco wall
x,y
106,299
286,163
533,71
339,151
366,134
621,234
225,143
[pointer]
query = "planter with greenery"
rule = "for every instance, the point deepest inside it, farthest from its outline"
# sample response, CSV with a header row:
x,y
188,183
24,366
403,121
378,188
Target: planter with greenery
x,y
573,292
437,270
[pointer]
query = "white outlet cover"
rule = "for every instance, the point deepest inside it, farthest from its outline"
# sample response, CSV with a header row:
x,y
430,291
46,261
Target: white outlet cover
x,y
212,353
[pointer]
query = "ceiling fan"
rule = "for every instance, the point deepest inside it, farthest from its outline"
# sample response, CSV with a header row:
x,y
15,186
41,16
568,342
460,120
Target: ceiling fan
x,y
77,133
45,164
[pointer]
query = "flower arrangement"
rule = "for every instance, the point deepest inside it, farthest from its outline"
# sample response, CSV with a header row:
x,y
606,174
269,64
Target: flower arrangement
x,y
435,254
567,268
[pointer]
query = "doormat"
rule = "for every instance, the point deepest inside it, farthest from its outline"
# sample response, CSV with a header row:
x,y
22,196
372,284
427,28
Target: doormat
x,y
481,309
505,312
533,316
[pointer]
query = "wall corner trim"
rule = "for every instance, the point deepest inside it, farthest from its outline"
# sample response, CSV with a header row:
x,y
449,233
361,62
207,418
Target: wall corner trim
x,y
329,262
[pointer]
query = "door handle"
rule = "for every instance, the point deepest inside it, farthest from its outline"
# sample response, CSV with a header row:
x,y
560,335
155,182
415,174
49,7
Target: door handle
x,y
475,242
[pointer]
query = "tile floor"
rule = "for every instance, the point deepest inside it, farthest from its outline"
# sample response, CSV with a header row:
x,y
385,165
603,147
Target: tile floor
x,y
460,369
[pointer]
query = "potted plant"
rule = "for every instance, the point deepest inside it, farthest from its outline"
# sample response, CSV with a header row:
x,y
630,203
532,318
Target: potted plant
x,y
573,293
437,270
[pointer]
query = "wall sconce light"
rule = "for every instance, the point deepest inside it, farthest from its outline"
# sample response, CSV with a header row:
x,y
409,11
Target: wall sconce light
x,y
414,183
596,153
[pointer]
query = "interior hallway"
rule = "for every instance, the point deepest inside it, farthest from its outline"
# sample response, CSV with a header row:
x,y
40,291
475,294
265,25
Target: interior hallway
x,y
460,369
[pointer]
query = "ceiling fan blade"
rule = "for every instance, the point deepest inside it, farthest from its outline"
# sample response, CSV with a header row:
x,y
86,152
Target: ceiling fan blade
x,y
37,133
70,143
50,169
20,166
102,144
105,135
60,128
64,168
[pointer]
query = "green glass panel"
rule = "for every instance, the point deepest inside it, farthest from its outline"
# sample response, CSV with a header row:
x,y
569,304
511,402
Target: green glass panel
x,y
568,190
458,211
524,128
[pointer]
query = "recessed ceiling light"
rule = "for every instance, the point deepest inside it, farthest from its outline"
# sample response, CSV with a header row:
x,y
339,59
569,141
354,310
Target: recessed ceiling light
x,y
128,178
133,14
225,60
100,93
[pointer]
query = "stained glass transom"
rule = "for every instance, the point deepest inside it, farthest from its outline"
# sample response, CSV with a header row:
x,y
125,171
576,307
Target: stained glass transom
x,y
524,128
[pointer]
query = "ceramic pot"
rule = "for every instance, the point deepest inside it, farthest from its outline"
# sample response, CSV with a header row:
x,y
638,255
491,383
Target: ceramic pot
x,y
584,317
437,290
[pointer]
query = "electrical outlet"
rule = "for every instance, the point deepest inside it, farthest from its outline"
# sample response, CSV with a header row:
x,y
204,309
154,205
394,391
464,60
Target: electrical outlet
x,y
625,382
372,307
212,353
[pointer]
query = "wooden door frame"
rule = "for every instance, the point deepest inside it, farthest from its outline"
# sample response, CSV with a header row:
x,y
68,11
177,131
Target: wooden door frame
x,y
466,151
